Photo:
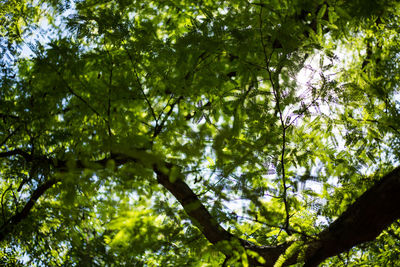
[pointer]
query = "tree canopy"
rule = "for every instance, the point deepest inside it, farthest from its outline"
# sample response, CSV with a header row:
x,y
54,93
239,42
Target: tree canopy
x,y
199,133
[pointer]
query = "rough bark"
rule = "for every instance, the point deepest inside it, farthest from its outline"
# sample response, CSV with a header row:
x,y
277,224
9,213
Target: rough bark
x,y
193,207
9,224
363,221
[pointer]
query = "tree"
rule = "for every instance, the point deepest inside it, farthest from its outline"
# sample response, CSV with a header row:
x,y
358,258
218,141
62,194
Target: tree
x,y
180,133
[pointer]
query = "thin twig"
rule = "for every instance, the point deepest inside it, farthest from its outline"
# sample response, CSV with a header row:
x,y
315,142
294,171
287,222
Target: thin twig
x,y
277,99
74,93
9,136
158,128
273,226
109,91
141,86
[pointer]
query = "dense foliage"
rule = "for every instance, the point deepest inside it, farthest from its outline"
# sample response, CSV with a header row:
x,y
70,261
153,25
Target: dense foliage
x,y
199,133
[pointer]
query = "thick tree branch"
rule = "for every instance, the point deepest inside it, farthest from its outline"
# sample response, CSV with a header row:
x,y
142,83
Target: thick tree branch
x,y
8,225
193,207
207,224
16,152
197,212
363,221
